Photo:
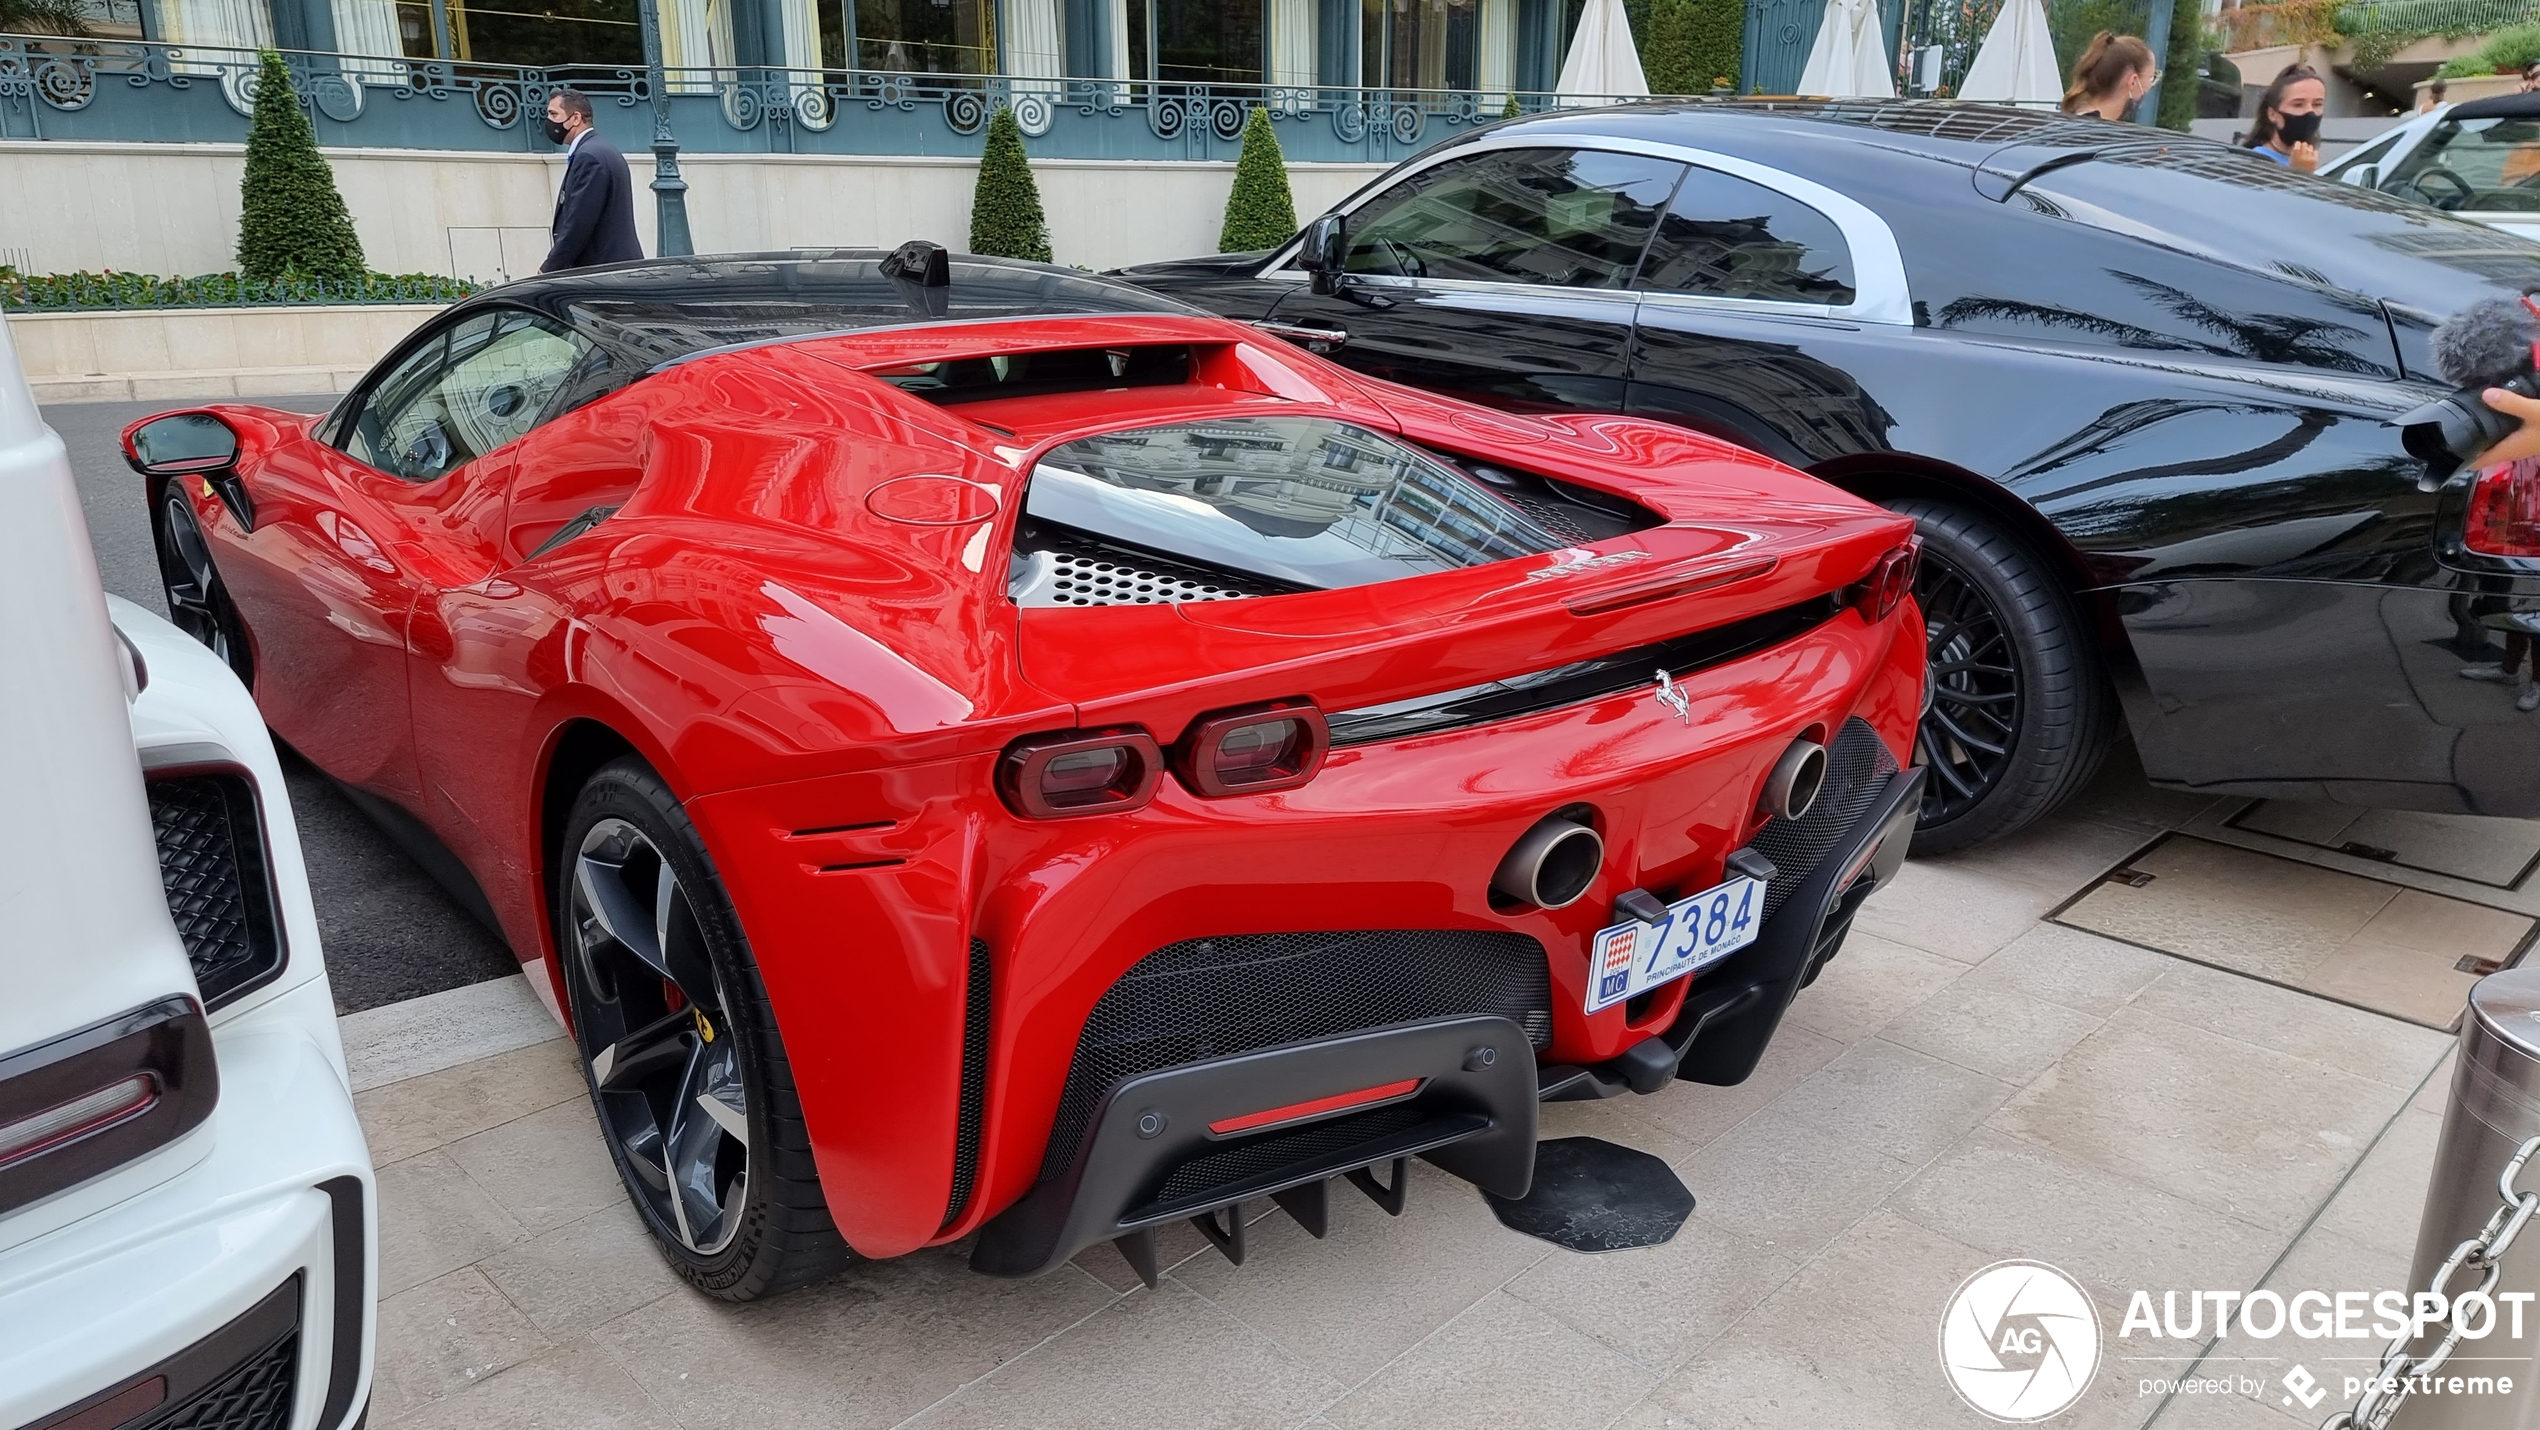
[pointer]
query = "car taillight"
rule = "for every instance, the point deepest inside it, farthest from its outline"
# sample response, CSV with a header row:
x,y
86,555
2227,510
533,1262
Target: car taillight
x,y
2504,511
1253,751
43,1131
1080,772
91,1101
1889,582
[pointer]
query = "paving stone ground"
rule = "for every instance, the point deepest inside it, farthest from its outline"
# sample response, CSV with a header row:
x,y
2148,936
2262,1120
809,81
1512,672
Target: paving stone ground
x,y
1965,1084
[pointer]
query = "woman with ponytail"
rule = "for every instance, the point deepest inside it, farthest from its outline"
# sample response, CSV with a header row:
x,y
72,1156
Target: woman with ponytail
x,y
2288,124
2112,76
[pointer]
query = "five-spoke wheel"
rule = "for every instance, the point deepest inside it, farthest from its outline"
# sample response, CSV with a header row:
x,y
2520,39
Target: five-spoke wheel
x,y
665,1067
687,1072
197,602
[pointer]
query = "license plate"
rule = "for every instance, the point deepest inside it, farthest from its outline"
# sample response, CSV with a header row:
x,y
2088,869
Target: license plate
x,y
1698,931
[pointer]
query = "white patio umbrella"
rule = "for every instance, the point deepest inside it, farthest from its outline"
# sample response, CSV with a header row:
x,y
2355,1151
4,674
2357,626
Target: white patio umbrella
x,y
1603,61
2016,64
1849,59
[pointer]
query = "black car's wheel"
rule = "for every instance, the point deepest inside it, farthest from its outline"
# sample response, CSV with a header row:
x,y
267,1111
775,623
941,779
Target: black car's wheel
x,y
686,1070
2019,712
198,603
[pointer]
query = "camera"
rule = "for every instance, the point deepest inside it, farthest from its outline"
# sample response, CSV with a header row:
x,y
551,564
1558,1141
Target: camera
x,y
2445,433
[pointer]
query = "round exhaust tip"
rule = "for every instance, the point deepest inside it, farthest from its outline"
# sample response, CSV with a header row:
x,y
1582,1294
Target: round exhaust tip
x,y
1550,865
1797,776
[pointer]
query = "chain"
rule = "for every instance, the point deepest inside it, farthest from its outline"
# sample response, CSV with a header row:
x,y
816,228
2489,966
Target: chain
x,y
2397,1378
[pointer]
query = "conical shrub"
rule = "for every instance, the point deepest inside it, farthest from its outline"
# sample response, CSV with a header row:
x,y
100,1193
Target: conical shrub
x,y
1260,213
290,217
1005,214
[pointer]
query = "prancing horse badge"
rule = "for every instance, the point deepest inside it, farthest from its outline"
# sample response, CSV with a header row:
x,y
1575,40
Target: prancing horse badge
x,y
1673,697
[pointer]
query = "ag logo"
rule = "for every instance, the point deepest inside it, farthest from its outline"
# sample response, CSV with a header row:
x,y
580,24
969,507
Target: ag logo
x,y
2019,1341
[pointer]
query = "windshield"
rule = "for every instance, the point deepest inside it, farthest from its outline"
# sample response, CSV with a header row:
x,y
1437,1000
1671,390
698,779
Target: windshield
x,y
1305,501
2486,165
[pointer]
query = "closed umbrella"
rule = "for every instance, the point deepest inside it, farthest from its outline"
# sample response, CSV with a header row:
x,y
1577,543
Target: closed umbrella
x,y
1603,62
1849,60
2017,62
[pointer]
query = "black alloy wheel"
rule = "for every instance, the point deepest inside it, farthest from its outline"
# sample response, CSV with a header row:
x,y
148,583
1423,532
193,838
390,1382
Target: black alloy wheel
x,y
695,1098
198,604
2018,714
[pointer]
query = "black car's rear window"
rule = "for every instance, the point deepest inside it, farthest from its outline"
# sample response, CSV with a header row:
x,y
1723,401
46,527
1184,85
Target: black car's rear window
x,y
1304,501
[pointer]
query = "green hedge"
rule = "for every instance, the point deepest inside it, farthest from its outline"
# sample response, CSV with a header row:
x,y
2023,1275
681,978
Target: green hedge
x,y
2506,52
1260,211
1006,220
72,292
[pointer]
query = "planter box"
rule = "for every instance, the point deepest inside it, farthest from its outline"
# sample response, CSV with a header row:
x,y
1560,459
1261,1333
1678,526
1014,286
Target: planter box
x,y
149,354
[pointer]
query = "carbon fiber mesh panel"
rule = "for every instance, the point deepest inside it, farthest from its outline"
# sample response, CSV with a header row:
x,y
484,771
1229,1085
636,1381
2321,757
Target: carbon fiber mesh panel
x,y
255,1396
1857,767
211,861
1215,997
978,1007
1267,1154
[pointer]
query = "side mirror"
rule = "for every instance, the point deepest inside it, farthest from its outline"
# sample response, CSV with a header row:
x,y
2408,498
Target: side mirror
x,y
192,444
1325,253
181,444
2369,176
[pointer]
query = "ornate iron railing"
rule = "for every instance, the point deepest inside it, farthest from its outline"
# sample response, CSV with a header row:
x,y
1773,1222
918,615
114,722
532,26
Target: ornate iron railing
x,y
68,89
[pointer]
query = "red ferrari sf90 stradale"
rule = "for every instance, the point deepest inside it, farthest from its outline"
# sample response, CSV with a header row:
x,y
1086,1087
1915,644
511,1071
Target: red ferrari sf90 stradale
x,y
971,747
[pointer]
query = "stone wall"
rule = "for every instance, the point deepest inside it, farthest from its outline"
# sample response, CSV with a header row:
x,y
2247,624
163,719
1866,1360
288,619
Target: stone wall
x,y
173,208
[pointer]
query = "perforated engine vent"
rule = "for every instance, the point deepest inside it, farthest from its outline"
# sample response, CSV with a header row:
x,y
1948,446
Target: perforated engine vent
x,y
1059,566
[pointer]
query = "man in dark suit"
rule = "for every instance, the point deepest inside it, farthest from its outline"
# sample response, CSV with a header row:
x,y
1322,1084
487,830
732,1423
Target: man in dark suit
x,y
595,210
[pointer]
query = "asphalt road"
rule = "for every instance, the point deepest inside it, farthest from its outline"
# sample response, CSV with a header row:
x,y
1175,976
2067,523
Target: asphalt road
x,y
389,931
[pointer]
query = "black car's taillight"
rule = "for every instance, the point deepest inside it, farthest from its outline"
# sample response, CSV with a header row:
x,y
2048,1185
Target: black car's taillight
x,y
1889,582
1080,772
2504,512
91,1101
1255,750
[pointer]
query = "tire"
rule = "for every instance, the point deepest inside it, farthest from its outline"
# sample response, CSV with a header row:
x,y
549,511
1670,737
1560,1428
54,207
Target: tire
x,y
2005,637
198,604
728,1191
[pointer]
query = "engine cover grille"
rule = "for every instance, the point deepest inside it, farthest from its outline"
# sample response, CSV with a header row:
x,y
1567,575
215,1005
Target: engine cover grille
x,y
1215,997
1857,767
212,865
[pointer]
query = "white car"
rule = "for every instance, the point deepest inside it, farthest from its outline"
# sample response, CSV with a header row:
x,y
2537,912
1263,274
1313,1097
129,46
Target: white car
x,y
2479,159
188,1223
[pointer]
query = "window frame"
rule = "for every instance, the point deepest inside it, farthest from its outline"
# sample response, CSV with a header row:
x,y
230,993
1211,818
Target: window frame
x,y
1880,292
347,415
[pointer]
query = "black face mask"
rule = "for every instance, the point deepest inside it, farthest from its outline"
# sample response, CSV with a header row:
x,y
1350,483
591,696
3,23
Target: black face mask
x,y
557,133
2298,129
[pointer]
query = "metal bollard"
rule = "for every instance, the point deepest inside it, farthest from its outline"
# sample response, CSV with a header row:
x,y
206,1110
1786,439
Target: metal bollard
x,y
2477,1204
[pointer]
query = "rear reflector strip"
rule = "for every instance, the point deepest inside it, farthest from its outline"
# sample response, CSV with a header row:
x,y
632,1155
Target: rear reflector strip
x,y
77,1118
1297,1111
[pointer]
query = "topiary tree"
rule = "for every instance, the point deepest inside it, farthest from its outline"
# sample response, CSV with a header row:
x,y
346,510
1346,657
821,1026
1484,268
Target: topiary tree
x,y
1005,214
1512,109
1694,45
2179,80
290,217
1260,213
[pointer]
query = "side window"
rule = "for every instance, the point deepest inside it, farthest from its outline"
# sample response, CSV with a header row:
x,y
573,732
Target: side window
x,y
1725,237
1571,218
478,385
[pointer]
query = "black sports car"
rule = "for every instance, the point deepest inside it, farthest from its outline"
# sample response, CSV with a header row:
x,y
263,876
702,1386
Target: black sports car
x,y
2135,386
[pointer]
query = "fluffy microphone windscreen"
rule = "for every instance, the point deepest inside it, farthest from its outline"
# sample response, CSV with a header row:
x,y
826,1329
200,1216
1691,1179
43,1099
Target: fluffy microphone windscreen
x,y
2485,344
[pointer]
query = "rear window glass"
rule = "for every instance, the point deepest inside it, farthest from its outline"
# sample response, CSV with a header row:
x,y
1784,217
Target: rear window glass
x,y
1304,501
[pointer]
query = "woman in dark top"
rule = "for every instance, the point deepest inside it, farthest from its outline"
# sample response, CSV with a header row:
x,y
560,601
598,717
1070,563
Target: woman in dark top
x,y
2111,77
